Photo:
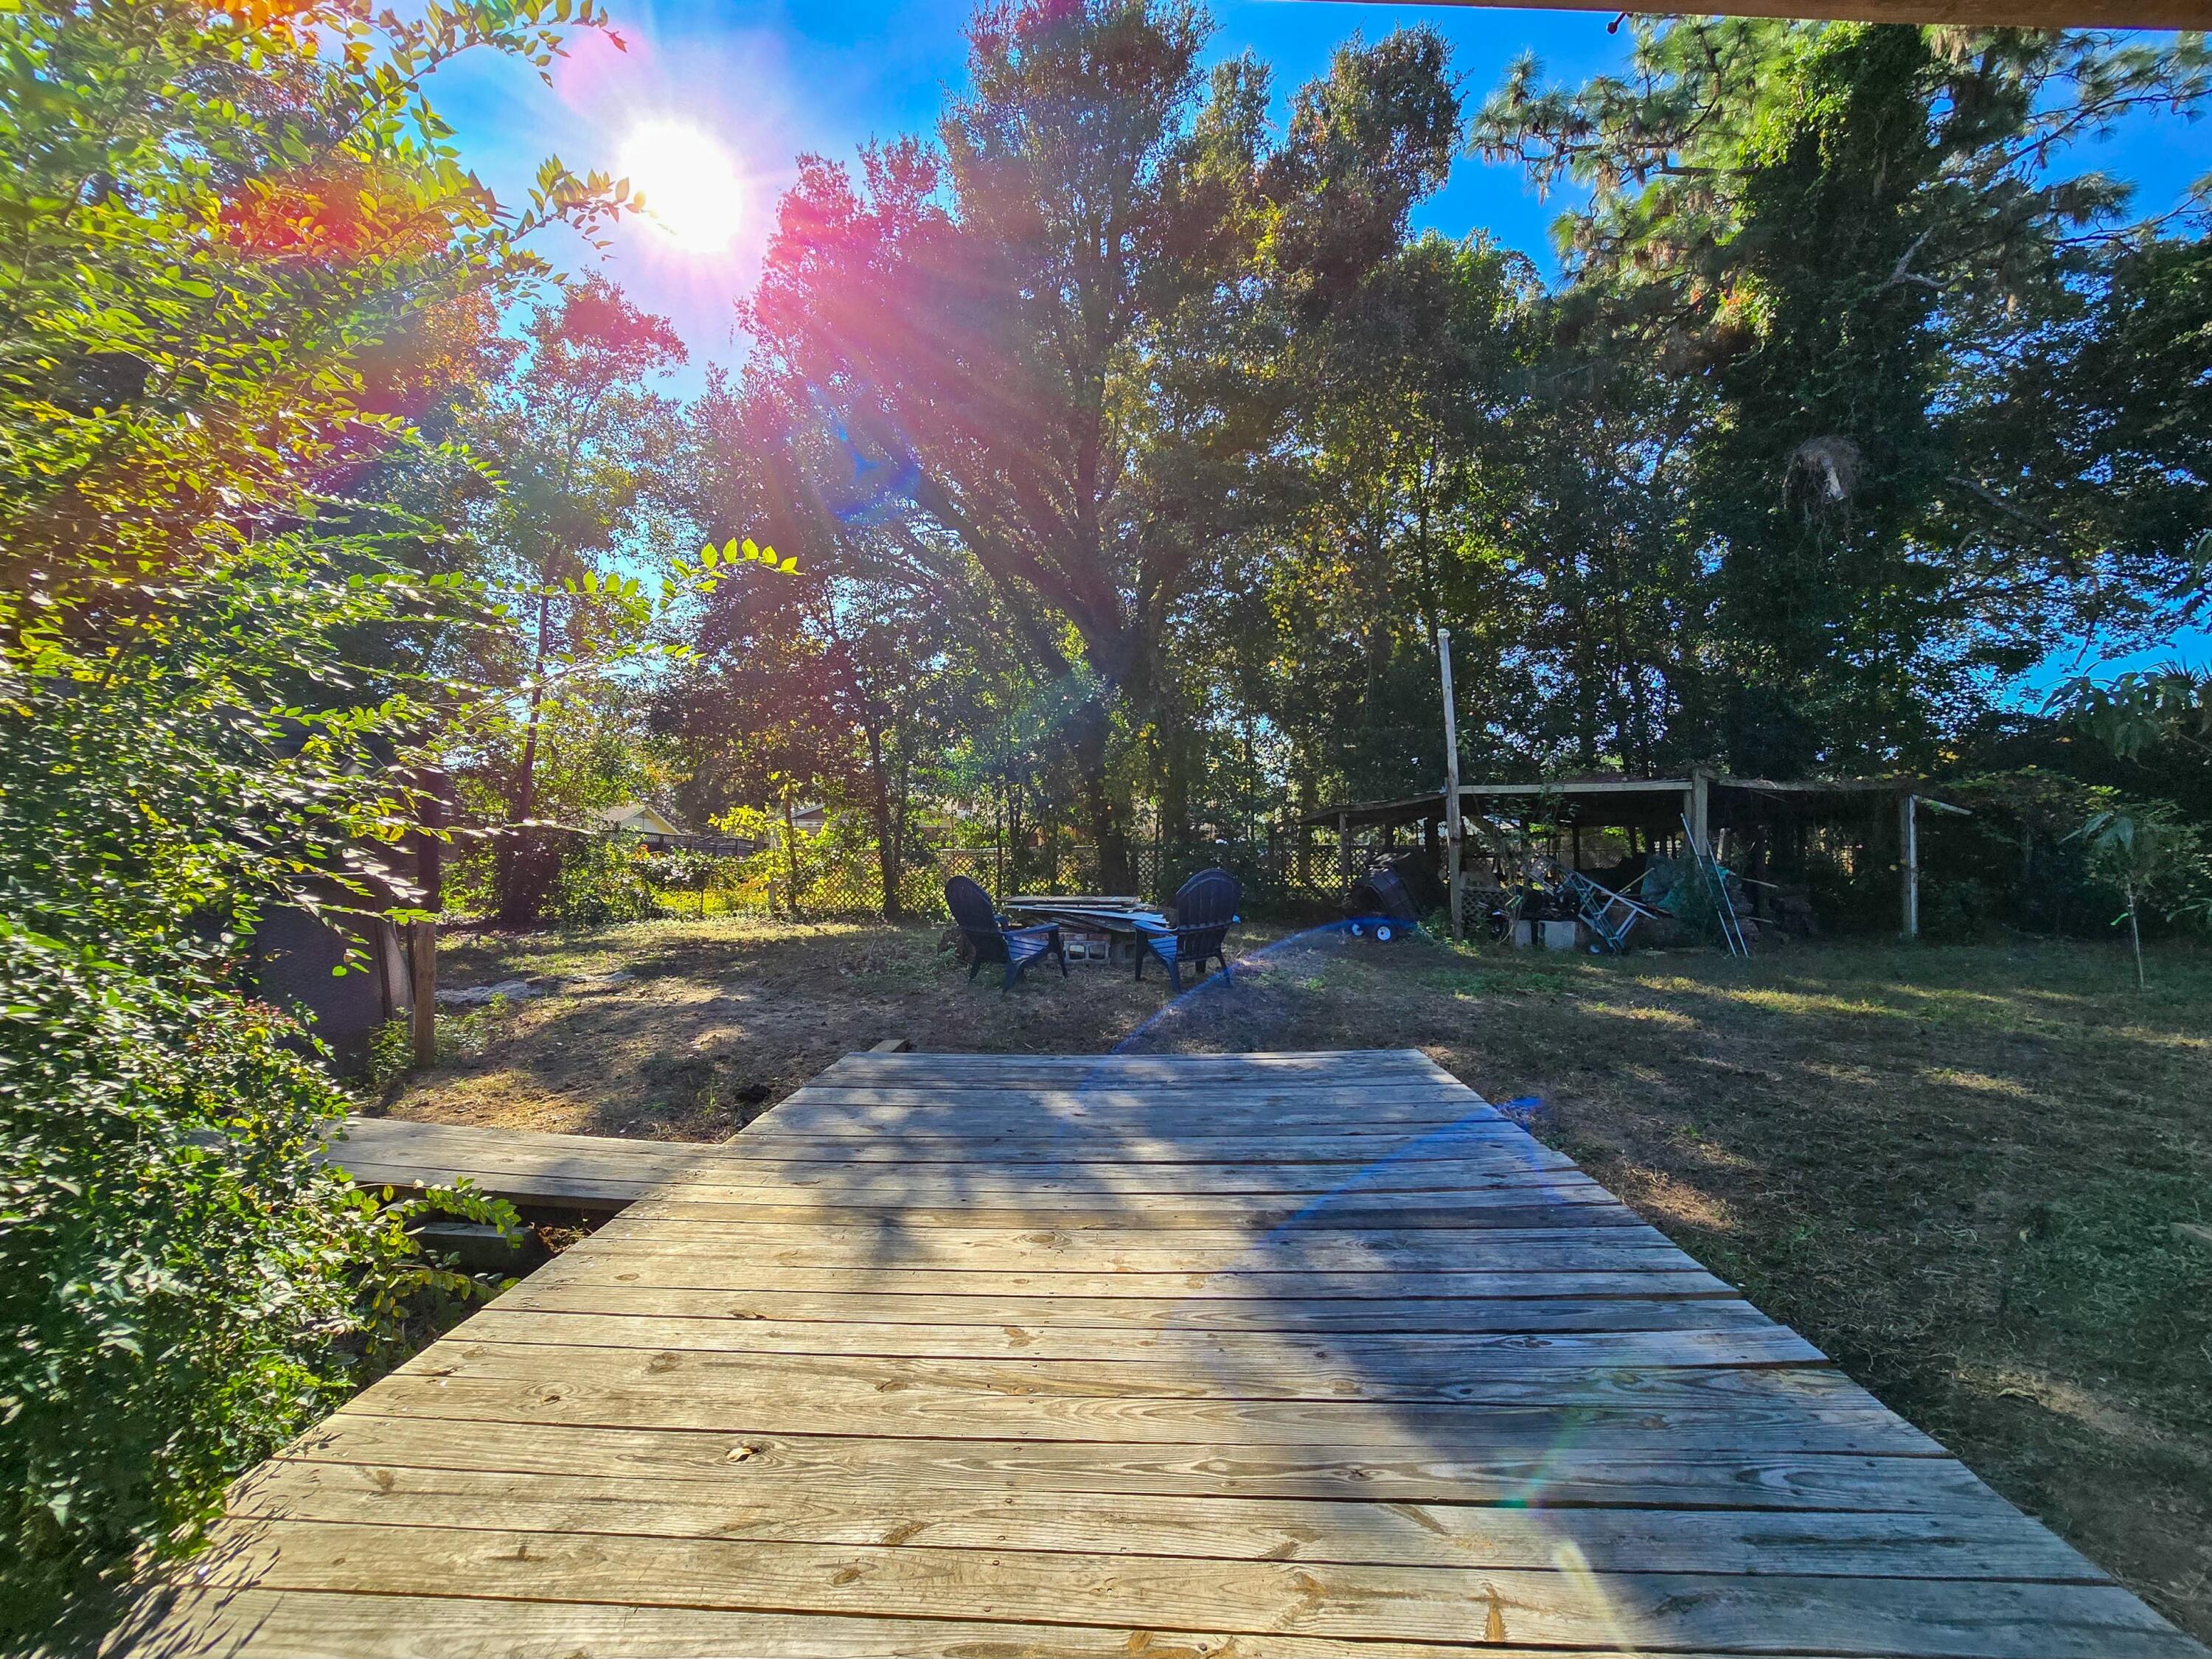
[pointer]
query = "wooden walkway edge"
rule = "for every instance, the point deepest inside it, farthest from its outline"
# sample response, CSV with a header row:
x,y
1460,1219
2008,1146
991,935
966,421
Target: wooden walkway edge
x,y
1302,1355
600,1173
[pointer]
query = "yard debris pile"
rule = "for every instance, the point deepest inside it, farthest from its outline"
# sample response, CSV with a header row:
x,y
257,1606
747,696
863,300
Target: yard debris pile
x,y
541,985
1649,900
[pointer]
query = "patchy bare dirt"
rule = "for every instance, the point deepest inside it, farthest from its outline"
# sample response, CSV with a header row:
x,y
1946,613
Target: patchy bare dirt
x,y
1959,1171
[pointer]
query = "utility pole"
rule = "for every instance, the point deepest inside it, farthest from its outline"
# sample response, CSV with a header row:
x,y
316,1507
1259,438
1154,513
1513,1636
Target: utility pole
x,y
1452,828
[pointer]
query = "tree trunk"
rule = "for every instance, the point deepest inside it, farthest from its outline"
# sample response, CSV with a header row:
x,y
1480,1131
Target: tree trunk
x,y
1108,830
2134,934
879,808
524,865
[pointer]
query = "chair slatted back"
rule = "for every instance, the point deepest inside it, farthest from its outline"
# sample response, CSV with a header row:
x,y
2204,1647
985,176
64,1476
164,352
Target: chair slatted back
x,y
972,913
1204,907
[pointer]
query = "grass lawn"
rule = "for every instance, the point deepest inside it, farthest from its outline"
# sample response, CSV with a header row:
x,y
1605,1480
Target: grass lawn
x,y
1965,1173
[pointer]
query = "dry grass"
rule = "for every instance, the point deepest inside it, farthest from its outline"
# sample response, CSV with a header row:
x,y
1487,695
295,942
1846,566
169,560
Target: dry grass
x,y
1958,1170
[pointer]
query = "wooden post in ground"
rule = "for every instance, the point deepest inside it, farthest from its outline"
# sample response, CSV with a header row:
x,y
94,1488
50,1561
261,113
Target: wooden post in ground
x,y
1454,828
1344,852
422,936
1908,861
1701,811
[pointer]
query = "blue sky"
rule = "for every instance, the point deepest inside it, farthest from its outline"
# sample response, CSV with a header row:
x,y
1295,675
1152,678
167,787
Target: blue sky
x,y
774,79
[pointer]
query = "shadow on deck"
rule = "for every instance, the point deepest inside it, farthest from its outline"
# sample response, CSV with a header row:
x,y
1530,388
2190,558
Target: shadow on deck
x,y
1283,1354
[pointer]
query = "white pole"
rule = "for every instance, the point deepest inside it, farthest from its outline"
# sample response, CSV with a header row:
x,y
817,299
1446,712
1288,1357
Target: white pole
x,y
1452,828
1909,863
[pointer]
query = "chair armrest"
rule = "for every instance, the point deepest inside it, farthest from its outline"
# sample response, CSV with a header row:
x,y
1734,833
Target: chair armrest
x,y
1206,927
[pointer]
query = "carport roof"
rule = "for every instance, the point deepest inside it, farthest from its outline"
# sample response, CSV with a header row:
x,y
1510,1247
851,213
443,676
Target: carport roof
x,y
1614,800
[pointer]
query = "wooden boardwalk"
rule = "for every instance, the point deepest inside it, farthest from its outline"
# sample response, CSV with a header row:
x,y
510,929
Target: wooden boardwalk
x,y
597,1173
1303,1355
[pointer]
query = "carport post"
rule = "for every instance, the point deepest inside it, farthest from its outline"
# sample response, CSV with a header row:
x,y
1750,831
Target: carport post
x,y
1453,829
1908,861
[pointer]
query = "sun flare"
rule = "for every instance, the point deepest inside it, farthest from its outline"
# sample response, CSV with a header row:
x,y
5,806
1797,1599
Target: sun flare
x,y
689,182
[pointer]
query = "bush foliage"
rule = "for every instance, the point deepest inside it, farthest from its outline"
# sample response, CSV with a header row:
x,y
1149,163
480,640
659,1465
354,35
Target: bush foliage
x,y
239,240
602,880
181,1287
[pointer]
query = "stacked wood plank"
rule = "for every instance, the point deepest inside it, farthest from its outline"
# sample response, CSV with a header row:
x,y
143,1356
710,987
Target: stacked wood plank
x,y
1289,1354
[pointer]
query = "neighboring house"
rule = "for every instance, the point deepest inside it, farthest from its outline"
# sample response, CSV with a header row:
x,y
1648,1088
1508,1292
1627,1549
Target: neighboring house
x,y
649,824
660,833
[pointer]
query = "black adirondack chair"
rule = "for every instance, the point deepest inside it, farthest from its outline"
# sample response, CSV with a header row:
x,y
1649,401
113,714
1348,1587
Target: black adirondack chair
x,y
1205,908
992,940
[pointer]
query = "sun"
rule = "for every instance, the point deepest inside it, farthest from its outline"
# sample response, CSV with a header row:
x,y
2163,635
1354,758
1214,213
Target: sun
x,y
689,182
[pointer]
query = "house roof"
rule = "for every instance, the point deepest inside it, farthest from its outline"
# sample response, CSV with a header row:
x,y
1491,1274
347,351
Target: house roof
x,y
636,815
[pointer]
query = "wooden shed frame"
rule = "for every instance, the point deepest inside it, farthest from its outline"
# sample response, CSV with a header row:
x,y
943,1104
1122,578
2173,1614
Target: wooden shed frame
x,y
1706,799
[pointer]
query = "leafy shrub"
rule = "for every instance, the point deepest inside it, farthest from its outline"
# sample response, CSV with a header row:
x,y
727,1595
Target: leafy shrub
x,y
181,1288
466,1036
601,880
391,1053
832,871
211,700
467,882
410,1298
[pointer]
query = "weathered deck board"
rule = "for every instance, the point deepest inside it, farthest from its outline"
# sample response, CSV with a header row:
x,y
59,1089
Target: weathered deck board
x,y
584,1172
1301,1355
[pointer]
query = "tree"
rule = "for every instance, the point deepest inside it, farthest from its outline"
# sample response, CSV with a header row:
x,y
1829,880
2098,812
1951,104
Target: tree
x,y
1064,353
2153,857
842,674
1392,524
1850,242
580,437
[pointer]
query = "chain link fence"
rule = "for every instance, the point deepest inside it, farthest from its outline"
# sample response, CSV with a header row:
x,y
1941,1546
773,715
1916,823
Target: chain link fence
x,y
836,873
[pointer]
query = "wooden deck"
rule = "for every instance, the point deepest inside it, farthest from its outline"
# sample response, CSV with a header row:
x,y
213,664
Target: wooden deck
x,y
597,1173
1303,1355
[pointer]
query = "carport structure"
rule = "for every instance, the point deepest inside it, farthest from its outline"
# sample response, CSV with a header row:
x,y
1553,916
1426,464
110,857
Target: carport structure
x,y
1755,812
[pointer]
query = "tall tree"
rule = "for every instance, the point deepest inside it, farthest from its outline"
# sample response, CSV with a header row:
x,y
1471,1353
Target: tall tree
x,y
1067,349
1842,236
1391,524
581,437
851,665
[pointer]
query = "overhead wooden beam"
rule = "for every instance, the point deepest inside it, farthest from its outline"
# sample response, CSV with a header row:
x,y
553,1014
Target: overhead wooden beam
x,y
1975,14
